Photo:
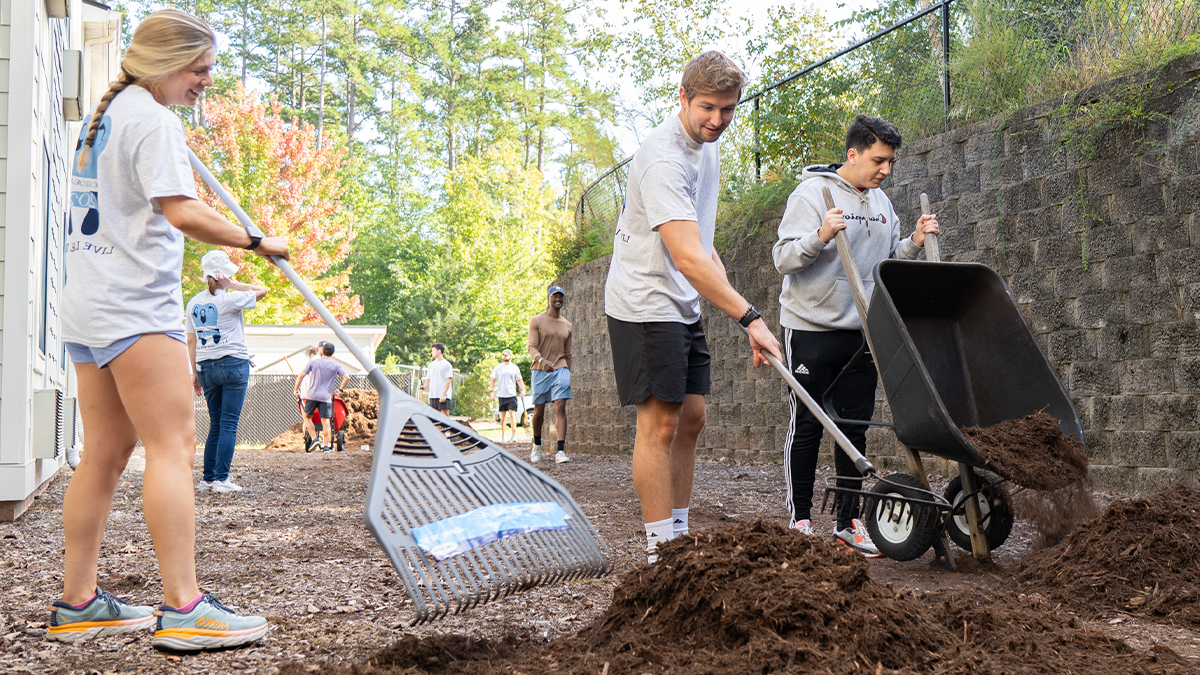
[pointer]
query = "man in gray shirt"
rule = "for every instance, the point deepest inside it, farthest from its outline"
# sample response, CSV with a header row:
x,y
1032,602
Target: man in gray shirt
x,y
821,327
663,262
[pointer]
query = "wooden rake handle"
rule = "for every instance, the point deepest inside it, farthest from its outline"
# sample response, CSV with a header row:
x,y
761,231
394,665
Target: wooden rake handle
x,y
850,266
932,253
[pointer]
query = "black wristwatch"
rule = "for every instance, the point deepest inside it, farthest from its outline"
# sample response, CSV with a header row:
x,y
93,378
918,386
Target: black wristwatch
x,y
749,317
254,240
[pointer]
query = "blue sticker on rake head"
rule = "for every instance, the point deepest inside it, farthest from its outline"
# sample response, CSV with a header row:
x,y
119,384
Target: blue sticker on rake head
x,y
466,531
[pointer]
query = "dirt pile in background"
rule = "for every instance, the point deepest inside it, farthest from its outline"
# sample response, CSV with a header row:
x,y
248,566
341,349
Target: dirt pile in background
x,y
756,597
1140,556
362,411
1034,453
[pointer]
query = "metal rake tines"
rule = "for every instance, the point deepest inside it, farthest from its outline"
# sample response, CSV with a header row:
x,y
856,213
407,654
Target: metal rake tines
x,y
419,496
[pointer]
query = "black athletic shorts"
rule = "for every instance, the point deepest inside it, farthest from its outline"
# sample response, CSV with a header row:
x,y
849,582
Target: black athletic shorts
x,y
439,405
663,359
508,403
323,408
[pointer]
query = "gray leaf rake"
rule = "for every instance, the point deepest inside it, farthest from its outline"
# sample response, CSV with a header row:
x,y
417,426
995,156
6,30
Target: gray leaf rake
x,y
431,473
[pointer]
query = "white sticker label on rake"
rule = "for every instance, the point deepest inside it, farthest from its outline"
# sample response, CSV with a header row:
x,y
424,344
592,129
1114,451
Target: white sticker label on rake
x,y
461,533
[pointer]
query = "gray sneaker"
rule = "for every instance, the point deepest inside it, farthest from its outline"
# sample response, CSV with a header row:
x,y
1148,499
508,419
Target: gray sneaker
x,y
204,486
103,616
560,457
210,625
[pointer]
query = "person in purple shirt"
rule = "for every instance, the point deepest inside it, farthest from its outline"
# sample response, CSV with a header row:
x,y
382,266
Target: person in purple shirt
x,y
324,371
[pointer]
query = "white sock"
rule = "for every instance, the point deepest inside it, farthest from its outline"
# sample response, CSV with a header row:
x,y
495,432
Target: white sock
x,y
679,521
657,533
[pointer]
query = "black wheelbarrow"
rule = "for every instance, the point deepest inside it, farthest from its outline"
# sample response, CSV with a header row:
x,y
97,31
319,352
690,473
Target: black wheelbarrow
x,y
952,350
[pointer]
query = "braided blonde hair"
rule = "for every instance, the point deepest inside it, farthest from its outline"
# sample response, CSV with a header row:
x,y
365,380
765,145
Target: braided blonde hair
x,y
164,43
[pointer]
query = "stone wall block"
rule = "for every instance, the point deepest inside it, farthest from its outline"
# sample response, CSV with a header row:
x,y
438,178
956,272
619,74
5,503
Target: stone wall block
x,y
1178,338
961,181
1120,342
1171,412
1129,272
1151,480
1072,345
1187,374
1109,241
1022,196
1094,378
1178,267
979,150
1139,448
1154,234
1132,205
1114,413
973,208
1098,448
1146,376
1183,450
1153,305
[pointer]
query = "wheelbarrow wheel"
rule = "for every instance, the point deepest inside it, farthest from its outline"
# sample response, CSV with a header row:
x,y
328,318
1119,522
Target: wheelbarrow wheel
x,y
341,440
901,530
995,512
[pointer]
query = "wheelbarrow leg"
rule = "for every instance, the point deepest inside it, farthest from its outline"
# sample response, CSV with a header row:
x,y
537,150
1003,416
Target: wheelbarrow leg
x,y
979,544
941,545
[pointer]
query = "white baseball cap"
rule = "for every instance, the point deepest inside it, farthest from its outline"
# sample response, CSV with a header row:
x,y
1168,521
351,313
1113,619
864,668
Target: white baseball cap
x,y
217,261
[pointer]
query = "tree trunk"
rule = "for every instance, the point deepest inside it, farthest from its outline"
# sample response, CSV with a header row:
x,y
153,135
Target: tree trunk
x,y
351,87
321,110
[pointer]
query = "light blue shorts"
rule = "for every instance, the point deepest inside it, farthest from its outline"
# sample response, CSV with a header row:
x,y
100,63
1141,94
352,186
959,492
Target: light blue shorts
x,y
101,356
551,386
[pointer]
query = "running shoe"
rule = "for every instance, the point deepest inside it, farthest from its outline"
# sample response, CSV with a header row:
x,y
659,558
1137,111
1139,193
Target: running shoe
x,y
204,486
327,448
802,526
857,538
535,455
209,625
560,457
314,445
103,615
225,486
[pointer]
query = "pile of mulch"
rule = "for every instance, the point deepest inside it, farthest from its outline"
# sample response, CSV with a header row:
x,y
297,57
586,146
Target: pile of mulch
x,y
755,597
1032,451
362,411
1141,556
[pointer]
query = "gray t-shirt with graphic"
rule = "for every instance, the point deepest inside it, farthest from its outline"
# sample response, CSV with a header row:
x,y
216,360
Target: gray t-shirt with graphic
x,y
123,259
217,322
671,177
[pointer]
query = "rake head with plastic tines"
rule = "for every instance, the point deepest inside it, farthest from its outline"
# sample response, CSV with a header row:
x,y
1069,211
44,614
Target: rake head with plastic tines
x,y
430,472
429,468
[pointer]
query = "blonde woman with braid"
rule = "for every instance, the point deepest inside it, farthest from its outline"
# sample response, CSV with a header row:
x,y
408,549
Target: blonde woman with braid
x,y
133,198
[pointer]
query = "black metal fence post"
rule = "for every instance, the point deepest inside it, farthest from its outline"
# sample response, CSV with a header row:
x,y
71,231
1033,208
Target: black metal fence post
x,y
946,60
757,147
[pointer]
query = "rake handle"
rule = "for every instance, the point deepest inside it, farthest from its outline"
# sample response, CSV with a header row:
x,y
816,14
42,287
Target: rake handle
x,y
288,271
932,253
862,463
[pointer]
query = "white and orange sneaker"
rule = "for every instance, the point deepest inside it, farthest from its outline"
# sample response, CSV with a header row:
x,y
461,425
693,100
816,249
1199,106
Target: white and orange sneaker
x,y
102,616
205,624
857,539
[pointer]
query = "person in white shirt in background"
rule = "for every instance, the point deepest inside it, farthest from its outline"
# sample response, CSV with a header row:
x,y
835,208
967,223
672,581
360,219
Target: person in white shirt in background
x,y
506,380
216,341
438,379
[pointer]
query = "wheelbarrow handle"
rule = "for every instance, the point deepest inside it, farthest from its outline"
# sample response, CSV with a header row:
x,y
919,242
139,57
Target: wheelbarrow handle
x,y
862,463
932,254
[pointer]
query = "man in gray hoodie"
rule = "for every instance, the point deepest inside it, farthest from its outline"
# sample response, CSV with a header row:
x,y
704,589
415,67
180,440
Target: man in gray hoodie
x,y
821,327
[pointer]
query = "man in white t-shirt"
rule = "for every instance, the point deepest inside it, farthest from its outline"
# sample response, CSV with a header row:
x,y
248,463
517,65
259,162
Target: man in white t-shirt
x,y
438,376
663,262
506,380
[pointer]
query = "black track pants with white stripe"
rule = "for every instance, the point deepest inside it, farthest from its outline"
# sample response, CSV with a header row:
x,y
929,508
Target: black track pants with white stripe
x,y
815,359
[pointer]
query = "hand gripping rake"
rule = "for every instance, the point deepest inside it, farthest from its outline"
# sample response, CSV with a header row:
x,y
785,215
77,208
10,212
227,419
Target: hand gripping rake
x,y
490,523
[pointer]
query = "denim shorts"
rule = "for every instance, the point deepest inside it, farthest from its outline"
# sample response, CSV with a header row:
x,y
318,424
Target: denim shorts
x,y
101,356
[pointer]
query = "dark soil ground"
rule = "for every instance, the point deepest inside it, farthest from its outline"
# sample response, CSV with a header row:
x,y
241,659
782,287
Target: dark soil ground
x,y
292,547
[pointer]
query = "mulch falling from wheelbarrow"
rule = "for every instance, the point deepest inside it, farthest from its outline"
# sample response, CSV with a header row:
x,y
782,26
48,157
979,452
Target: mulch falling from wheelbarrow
x,y
1034,453
1141,556
756,597
362,411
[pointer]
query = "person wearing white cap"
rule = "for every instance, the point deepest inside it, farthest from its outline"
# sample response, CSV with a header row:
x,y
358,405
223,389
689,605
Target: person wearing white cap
x,y
506,379
216,342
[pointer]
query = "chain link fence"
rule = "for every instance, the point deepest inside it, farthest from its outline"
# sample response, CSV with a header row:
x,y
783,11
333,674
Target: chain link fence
x,y
928,67
271,408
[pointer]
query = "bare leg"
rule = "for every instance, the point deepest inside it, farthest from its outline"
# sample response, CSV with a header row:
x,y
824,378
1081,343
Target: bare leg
x,y
154,382
309,427
683,449
539,416
326,428
652,476
560,418
86,506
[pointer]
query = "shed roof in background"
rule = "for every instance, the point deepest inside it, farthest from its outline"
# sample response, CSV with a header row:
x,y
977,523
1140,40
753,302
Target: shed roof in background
x,y
279,350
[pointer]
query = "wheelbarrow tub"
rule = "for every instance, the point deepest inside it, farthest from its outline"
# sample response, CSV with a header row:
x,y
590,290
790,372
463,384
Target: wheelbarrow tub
x,y
953,350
